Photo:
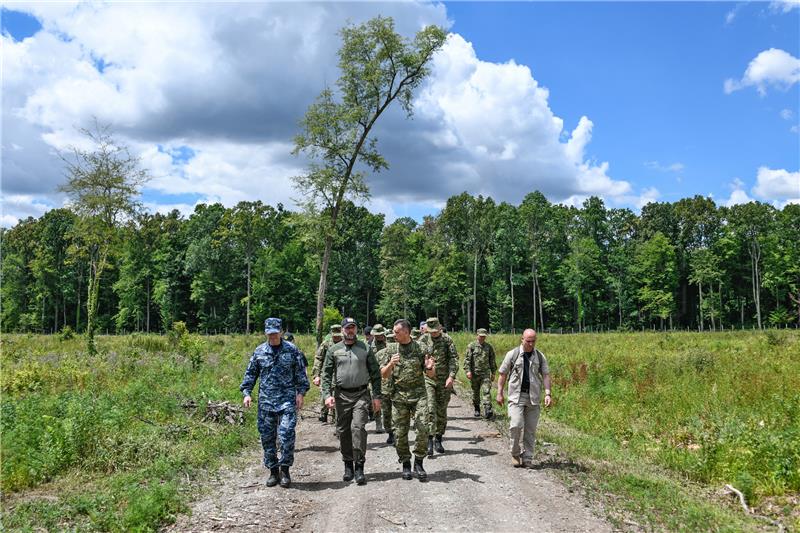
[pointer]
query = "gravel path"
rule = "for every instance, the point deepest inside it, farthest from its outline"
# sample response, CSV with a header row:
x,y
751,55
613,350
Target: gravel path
x,y
472,487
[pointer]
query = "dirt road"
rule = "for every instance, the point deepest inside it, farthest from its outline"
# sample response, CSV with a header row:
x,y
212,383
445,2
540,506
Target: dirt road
x,y
472,487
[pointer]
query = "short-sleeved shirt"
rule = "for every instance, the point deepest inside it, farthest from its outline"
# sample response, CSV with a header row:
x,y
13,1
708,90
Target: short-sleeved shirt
x,y
536,373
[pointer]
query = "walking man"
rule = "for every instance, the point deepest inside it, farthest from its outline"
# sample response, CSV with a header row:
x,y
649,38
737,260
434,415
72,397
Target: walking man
x,y
441,348
383,418
480,366
319,360
405,368
528,371
282,385
349,367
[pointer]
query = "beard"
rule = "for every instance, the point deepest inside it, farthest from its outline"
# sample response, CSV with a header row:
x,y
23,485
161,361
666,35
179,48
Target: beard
x,y
349,337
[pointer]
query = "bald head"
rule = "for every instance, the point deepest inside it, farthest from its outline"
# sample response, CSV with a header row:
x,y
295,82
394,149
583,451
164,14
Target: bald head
x,y
528,339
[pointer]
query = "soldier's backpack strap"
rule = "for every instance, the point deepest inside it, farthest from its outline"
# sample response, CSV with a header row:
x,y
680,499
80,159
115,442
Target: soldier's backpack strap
x,y
515,356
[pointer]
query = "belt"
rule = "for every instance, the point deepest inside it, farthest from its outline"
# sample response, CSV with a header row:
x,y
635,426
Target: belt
x,y
354,389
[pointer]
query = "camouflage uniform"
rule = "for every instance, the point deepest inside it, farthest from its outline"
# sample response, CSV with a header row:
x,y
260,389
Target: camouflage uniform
x,y
319,361
281,375
480,360
406,388
383,421
416,334
445,356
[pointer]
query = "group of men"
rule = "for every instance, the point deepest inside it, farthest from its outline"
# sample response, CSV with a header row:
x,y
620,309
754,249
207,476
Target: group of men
x,y
397,379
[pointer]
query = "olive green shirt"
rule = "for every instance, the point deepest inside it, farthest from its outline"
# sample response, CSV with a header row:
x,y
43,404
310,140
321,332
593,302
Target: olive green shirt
x,y
350,366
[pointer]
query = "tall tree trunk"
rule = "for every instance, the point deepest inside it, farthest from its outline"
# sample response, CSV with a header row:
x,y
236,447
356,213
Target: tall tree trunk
x,y
533,289
44,304
366,322
148,304
511,282
247,320
700,287
541,309
78,308
55,316
475,292
323,283
756,282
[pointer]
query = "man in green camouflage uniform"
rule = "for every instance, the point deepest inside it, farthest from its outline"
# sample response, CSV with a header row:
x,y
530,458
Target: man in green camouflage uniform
x,y
416,334
441,348
480,366
319,361
405,369
382,419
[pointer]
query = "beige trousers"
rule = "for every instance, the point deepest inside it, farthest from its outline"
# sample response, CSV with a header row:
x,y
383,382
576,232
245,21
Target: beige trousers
x,y
524,419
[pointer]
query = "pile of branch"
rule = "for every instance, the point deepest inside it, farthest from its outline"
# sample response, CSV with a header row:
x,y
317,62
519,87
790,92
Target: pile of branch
x,y
222,412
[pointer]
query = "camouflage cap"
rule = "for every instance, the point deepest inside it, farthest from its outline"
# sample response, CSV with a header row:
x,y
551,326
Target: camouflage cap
x,y
378,330
482,332
272,325
390,336
433,325
336,329
415,333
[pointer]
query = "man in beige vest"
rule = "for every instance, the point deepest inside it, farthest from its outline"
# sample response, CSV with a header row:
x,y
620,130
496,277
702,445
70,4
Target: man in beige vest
x,y
528,371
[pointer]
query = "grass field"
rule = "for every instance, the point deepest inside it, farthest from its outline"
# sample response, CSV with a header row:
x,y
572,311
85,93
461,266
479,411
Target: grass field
x,y
660,421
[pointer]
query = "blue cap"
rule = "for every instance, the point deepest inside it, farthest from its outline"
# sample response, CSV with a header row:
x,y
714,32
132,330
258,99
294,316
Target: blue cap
x,y
272,325
423,324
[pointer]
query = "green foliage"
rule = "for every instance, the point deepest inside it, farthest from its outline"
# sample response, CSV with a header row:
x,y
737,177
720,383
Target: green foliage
x,y
110,434
331,316
67,333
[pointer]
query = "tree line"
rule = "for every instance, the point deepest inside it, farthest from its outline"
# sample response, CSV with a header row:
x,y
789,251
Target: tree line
x,y
687,264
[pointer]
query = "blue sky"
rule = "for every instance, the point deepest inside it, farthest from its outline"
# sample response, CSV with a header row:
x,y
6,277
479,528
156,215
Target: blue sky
x,y
630,101
650,75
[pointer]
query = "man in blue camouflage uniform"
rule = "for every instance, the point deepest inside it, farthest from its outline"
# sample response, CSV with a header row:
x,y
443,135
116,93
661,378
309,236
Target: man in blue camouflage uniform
x,y
283,383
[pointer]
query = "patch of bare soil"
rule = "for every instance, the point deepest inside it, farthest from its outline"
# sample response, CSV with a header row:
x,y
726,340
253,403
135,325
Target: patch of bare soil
x,y
471,487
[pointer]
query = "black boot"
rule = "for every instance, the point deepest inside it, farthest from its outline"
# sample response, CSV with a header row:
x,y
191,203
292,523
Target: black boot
x,y
273,477
477,411
390,440
430,448
419,471
437,444
407,470
489,413
348,471
360,479
285,479
323,417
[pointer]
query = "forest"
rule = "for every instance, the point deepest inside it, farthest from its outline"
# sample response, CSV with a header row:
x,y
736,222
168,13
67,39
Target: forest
x,y
685,265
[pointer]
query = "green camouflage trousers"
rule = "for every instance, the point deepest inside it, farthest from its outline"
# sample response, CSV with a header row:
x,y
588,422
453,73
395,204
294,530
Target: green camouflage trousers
x,y
402,411
482,389
386,412
438,400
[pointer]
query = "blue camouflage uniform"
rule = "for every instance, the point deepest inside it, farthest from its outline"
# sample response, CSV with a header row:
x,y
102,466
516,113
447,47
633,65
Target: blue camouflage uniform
x,y
282,373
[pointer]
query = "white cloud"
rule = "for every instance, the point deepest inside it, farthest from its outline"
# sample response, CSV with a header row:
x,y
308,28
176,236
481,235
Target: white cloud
x,y
230,81
784,6
15,207
787,114
673,167
778,186
738,194
774,67
501,136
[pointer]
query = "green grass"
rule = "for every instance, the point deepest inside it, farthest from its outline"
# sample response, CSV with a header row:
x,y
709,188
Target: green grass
x,y
667,419
104,443
659,422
